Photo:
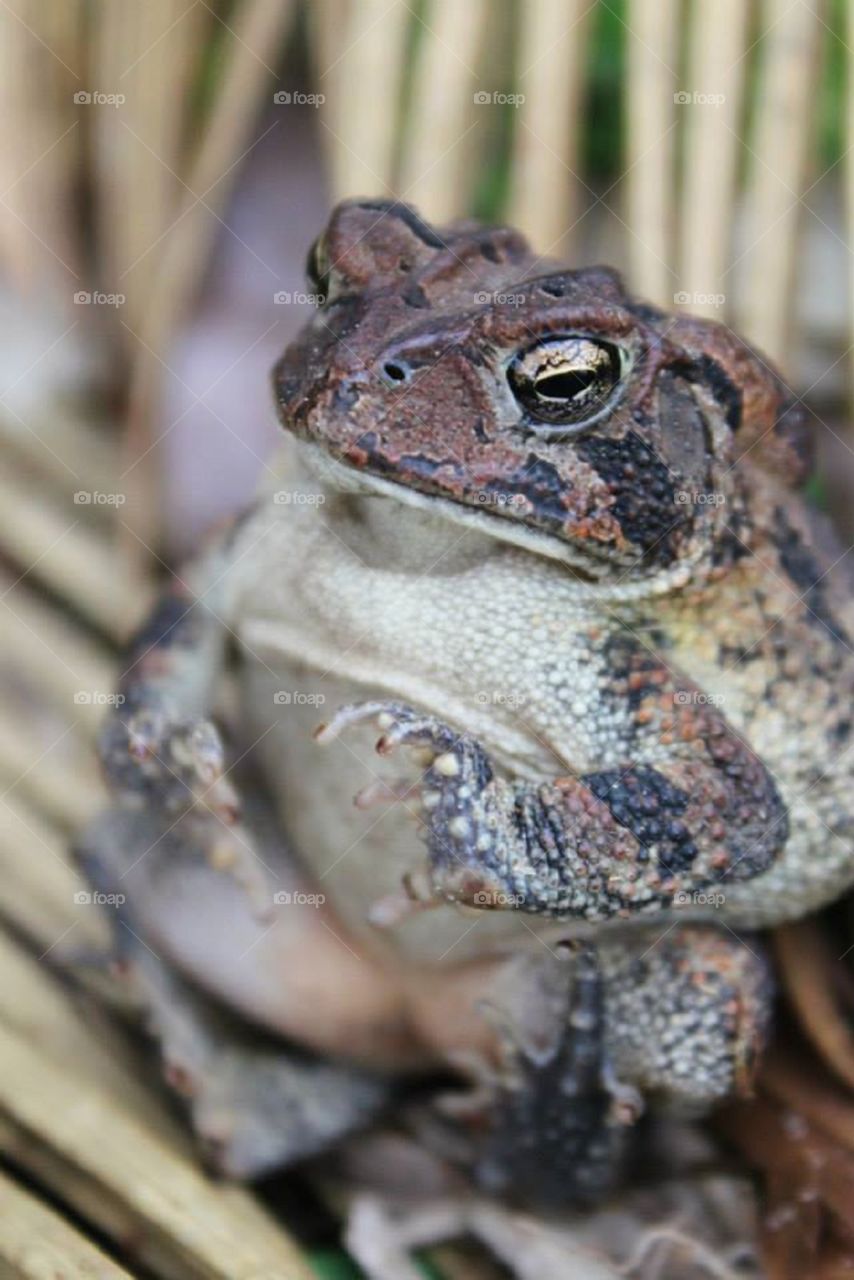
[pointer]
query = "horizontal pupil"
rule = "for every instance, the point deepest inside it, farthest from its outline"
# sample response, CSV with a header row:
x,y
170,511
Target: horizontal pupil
x,y
566,386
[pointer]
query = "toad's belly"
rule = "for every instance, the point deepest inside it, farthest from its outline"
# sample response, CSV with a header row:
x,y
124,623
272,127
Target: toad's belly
x,y
358,855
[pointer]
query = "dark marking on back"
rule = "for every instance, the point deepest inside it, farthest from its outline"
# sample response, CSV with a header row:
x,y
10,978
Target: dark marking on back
x,y
808,576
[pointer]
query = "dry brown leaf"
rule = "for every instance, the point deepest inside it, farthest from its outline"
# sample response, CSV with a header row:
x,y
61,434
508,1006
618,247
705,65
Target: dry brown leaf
x,y
809,1184
808,971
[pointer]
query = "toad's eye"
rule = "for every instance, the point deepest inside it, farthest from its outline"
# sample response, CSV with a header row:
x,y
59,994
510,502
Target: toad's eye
x,y
566,381
317,267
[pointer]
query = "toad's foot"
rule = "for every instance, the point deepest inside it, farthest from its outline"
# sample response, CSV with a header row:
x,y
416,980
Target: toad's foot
x,y
557,1127
178,767
450,797
152,756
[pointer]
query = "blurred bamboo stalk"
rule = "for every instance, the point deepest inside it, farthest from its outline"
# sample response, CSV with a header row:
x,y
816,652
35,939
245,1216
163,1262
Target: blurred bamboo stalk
x,y
780,149
35,1242
259,27
364,108
716,67
652,38
40,884
442,112
40,144
327,22
42,768
46,650
546,190
60,450
150,55
57,548
119,1173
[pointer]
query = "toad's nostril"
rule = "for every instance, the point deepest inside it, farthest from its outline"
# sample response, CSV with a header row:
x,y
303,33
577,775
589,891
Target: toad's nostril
x,y
395,372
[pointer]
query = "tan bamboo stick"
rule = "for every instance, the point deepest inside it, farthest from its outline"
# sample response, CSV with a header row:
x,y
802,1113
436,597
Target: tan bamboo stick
x,y
50,768
37,146
119,1174
651,38
547,188
328,22
145,53
37,1244
365,80
716,70
40,881
56,547
787,88
56,176
60,448
113,28
35,1004
16,55
60,24
443,109
251,47
71,671
41,904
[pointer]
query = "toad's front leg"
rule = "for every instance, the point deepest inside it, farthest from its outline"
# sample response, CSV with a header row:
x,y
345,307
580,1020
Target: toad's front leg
x,y
160,750
621,841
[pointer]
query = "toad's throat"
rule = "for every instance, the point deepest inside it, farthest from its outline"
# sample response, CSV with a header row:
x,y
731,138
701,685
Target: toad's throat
x,y
490,521
519,511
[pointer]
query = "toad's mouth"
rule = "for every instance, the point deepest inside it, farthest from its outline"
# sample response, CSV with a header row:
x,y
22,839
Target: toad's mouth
x,y
589,564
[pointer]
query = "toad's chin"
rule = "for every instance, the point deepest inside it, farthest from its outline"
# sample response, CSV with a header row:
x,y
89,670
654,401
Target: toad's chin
x,y
486,520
